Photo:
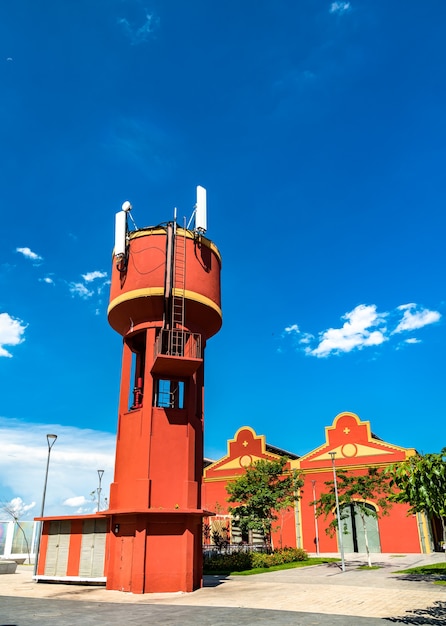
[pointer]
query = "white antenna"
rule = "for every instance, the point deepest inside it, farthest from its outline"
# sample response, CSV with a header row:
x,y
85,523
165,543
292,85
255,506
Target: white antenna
x,y
127,207
200,210
120,233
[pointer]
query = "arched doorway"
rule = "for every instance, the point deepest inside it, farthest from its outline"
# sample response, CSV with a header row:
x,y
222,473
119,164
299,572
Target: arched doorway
x,y
353,529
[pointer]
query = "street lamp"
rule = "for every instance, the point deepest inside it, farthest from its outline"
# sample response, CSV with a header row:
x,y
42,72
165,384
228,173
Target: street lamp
x,y
100,474
338,513
51,440
313,482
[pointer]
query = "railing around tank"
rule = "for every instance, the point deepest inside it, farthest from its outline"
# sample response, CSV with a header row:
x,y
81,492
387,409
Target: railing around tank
x,y
178,343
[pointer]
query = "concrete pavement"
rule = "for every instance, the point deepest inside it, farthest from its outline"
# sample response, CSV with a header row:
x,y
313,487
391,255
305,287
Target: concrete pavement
x,y
316,595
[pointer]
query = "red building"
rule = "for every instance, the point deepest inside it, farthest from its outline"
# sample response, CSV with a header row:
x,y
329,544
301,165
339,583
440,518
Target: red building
x,y
356,448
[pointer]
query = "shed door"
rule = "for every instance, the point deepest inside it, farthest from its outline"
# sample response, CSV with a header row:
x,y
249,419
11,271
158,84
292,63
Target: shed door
x,y
354,533
57,551
93,548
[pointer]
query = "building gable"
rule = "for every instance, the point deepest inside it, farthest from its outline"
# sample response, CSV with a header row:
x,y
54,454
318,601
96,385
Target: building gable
x,y
354,444
246,448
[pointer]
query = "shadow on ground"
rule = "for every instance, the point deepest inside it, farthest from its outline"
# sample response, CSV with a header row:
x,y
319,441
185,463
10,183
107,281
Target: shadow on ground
x,y
434,615
213,580
429,578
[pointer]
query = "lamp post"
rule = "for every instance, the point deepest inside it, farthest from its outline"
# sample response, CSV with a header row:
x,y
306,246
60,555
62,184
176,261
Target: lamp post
x,y
313,482
99,490
51,440
338,512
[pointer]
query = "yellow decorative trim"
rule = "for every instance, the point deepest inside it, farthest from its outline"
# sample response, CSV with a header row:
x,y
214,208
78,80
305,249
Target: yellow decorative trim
x,y
339,466
382,444
159,291
361,450
159,230
220,479
236,464
373,504
298,527
425,538
221,461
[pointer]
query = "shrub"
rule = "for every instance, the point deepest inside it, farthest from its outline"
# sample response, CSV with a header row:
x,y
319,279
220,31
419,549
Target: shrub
x,y
240,561
278,557
236,562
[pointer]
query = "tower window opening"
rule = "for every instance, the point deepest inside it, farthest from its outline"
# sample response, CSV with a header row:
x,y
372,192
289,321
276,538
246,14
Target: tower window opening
x,y
169,394
138,346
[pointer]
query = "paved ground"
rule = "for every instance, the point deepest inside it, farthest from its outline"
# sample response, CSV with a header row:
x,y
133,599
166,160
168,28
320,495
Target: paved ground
x,y
319,595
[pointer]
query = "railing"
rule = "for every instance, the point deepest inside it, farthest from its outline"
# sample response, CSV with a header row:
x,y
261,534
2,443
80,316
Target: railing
x,y
178,343
232,548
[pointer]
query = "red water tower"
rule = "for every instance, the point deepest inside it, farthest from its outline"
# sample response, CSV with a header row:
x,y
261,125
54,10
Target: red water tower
x,y
165,302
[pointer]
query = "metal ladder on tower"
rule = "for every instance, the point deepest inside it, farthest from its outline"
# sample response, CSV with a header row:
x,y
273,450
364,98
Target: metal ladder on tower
x,y
179,288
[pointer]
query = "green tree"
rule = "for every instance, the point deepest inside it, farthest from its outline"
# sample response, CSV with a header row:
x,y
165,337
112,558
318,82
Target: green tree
x,y
266,488
357,489
420,481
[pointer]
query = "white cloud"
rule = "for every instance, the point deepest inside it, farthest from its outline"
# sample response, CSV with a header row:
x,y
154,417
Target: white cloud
x,y
76,501
48,280
302,338
29,254
79,289
90,276
294,328
140,34
101,287
306,338
11,333
75,458
415,317
85,290
363,327
339,7
16,508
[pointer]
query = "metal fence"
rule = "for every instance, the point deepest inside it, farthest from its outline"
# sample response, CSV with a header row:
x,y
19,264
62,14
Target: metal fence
x,y
233,548
179,343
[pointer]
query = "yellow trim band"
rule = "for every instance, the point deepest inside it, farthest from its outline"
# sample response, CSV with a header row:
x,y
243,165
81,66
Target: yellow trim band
x,y
159,291
159,230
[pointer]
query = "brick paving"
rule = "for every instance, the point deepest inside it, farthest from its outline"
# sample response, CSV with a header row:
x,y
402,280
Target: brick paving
x,y
307,593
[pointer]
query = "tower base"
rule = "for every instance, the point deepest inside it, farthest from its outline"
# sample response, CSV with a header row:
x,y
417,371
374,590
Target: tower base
x,y
155,551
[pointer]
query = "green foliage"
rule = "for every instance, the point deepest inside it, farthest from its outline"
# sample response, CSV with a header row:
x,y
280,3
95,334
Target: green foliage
x,y
241,561
357,489
420,481
425,570
278,557
277,568
236,562
434,572
266,488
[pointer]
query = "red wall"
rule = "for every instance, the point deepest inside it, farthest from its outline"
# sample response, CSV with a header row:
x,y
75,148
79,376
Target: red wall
x,y
356,449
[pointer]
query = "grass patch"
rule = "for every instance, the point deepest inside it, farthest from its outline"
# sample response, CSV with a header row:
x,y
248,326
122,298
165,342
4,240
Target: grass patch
x,y
275,568
425,570
433,573
396,556
369,567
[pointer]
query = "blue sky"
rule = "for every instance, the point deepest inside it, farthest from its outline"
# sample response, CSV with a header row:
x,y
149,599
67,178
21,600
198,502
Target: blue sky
x,y
317,128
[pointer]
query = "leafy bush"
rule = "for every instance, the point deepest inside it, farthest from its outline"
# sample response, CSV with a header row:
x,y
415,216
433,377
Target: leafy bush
x,y
240,561
278,557
236,562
